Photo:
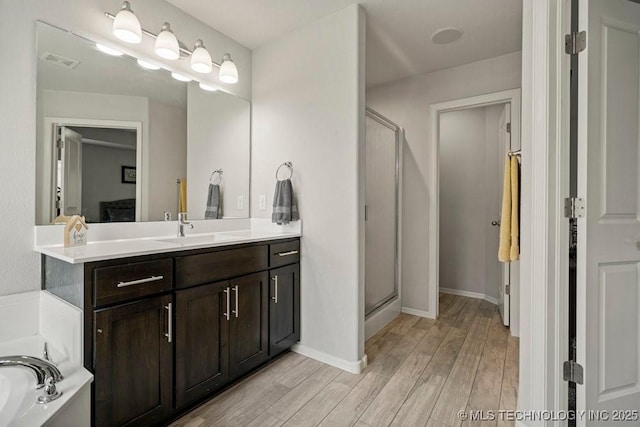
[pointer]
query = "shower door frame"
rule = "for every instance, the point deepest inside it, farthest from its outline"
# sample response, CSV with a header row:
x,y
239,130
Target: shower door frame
x,y
399,132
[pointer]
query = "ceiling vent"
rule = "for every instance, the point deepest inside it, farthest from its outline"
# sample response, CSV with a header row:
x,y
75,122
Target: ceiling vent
x,y
60,60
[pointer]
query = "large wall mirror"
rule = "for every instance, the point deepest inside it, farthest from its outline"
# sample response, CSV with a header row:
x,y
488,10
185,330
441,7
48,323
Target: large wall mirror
x,y
119,140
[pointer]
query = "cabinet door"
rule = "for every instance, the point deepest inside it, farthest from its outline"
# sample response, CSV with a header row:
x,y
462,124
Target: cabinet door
x,y
284,308
133,363
202,336
248,333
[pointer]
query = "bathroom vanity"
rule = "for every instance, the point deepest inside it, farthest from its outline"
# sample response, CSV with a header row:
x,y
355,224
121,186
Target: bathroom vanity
x,y
164,331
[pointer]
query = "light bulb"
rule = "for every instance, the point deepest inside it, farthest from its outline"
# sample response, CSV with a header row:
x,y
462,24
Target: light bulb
x,y
200,58
167,45
108,50
147,65
228,71
208,88
126,25
180,77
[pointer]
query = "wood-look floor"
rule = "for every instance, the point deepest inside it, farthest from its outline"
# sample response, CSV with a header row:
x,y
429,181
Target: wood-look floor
x,y
421,372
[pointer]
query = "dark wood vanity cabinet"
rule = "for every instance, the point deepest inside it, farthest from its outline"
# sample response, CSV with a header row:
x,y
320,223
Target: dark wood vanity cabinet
x,y
202,341
163,332
248,326
284,308
133,363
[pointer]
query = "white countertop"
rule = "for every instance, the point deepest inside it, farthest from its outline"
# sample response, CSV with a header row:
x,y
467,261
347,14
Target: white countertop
x,y
121,248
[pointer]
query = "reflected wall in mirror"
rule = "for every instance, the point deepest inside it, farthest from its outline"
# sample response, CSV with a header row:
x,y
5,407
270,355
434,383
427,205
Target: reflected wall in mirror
x,y
100,117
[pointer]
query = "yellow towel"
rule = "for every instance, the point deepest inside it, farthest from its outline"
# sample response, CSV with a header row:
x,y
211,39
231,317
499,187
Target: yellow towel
x,y
505,219
509,249
182,197
515,226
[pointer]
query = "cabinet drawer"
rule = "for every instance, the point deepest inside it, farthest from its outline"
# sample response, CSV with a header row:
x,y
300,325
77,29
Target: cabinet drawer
x,y
128,281
210,267
284,253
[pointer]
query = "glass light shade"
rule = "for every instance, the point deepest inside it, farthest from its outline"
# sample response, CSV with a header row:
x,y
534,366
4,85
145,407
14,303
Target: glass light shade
x,y
180,77
208,88
147,65
228,71
108,50
126,25
167,44
200,59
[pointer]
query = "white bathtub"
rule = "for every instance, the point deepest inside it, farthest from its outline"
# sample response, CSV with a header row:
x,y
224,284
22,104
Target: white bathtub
x,y
18,392
26,321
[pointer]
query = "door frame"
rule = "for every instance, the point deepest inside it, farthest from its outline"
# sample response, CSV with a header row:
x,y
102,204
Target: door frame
x,y
512,96
49,153
544,276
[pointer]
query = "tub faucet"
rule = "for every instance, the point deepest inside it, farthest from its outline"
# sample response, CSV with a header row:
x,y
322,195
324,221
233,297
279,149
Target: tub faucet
x,y
182,221
40,368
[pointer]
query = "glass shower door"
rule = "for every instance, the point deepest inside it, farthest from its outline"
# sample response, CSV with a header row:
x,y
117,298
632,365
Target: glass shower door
x,y
381,211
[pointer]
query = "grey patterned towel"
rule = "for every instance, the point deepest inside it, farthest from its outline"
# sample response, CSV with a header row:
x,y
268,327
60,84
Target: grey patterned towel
x,y
214,203
284,204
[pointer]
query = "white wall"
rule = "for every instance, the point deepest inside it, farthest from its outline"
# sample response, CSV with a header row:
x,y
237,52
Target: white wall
x,y
20,264
219,137
469,200
312,113
167,158
407,103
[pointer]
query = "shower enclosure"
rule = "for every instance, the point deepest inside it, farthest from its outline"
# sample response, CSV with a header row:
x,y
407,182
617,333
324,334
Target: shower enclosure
x,y
382,213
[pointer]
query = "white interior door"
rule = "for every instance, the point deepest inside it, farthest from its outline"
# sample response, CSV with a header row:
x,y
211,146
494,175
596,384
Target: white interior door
x,y
71,171
380,225
504,144
608,275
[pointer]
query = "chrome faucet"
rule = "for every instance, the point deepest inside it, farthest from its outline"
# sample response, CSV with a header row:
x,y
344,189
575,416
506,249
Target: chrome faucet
x,y
182,221
41,368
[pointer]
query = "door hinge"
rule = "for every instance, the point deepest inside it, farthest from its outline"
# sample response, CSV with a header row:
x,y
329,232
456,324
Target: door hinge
x,y
60,144
508,127
575,43
573,207
573,372
507,289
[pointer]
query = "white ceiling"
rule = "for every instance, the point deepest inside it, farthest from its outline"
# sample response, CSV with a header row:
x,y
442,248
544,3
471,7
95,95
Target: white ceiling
x,y
398,31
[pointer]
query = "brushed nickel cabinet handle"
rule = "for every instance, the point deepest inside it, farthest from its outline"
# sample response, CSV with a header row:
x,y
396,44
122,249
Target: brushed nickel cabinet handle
x,y
287,253
169,334
235,289
226,315
275,289
140,281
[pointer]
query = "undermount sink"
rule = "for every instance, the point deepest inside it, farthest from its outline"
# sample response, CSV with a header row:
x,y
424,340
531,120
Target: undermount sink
x,y
197,239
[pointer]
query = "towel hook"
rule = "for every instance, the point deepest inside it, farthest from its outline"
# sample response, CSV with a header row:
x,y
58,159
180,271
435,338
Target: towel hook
x,y
219,172
287,164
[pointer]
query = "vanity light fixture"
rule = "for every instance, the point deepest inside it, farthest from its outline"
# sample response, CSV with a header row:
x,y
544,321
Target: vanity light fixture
x,y
108,50
167,46
147,65
180,77
200,58
126,25
228,71
208,88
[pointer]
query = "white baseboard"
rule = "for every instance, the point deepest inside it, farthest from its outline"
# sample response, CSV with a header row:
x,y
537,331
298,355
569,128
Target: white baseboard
x,y
355,367
415,312
469,294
